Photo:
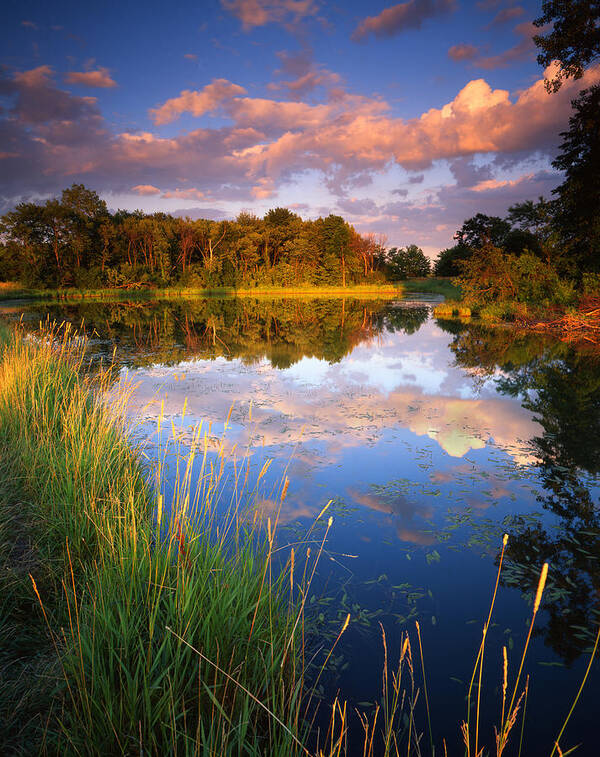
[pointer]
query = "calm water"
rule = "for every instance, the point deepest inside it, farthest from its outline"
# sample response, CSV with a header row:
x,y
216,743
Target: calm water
x,y
432,439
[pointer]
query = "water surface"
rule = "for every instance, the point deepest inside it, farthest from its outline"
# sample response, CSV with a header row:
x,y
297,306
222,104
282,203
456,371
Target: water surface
x,y
432,439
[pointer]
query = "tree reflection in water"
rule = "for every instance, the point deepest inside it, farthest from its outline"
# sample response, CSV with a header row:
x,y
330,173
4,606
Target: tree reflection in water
x,y
560,385
282,331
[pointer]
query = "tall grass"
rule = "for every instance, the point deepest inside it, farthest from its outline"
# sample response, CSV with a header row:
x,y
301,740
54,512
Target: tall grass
x,y
91,581
143,610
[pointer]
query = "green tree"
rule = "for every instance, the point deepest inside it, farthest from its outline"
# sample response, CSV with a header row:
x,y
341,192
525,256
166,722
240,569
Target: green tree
x,y
448,261
574,40
410,261
578,197
481,229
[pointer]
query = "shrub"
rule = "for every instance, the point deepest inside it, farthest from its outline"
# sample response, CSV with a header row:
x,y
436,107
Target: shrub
x,y
491,276
591,284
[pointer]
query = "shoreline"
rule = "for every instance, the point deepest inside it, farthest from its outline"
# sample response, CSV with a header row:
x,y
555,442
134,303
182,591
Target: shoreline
x,y
18,294
577,325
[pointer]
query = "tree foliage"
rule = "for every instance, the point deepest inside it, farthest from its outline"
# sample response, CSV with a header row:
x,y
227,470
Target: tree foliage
x,y
491,275
405,262
574,40
578,197
75,241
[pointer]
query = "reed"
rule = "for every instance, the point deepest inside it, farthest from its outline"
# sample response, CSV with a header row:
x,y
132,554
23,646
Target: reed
x,y
96,580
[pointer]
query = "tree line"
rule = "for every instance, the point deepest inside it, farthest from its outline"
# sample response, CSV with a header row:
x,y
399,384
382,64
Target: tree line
x,y
76,241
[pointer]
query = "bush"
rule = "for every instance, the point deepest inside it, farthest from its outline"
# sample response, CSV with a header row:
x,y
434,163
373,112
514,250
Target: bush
x,y
591,284
491,276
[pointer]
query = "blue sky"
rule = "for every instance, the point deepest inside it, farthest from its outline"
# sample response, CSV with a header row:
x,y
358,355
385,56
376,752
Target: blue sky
x,y
404,118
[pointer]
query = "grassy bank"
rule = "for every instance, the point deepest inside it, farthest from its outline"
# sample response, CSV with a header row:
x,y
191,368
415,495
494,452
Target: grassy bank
x,y
10,291
94,605
575,323
441,286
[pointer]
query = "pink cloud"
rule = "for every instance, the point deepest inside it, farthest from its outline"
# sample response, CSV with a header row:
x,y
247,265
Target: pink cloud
x,y
261,12
491,184
264,188
184,194
305,84
35,77
463,52
99,78
348,140
145,190
197,103
523,49
507,14
397,18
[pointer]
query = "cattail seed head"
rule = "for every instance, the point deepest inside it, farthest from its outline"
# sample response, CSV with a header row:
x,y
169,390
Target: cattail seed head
x,y
540,588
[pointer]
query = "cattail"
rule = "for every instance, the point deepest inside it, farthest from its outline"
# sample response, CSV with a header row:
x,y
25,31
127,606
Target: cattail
x,y
346,624
504,540
540,588
324,509
285,488
505,677
404,647
292,570
329,522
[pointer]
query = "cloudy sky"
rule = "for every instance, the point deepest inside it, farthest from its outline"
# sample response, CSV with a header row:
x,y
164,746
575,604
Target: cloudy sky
x,y
405,118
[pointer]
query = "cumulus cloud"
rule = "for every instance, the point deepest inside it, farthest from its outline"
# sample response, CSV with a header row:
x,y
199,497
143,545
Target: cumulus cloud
x,y
254,13
50,137
358,207
197,103
307,74
36,99
398,18
184,194
463,52
99,78
145,190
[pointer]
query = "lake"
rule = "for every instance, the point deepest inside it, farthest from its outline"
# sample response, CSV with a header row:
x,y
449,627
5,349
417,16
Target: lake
x,y
430,440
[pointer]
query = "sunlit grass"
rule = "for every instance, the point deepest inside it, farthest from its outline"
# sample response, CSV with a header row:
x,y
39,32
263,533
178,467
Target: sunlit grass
x,y
432,285
9,291
90,590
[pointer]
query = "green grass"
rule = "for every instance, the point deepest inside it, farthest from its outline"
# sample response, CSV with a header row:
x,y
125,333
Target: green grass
x,y
15,292
89,593
432,286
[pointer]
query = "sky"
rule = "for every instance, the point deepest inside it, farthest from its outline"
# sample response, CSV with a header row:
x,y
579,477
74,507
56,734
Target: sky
x,y
405,118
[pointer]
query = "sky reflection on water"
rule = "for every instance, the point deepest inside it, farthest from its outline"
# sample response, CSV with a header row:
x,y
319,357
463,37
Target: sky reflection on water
x,y
425,439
